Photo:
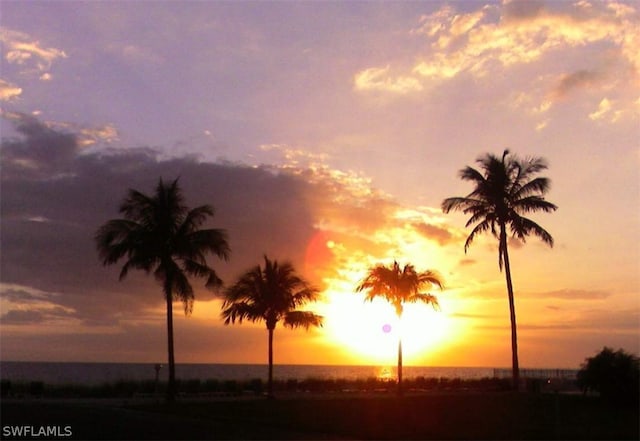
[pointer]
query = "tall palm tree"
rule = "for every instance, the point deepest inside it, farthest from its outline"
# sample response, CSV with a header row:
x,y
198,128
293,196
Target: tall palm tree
x,y
505,189
270,294
398,286
161,235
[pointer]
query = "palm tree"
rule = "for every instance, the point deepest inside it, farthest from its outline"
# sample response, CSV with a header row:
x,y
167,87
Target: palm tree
x,y
272,293
505,190
399,286
160,234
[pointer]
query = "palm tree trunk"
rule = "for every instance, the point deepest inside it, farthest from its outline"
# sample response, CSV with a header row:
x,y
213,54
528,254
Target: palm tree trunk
x,y
171,387
399,309
515,368
270,379
399,366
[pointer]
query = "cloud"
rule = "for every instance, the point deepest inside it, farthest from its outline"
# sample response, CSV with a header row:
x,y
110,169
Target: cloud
x,y
40,152
55,194
22,317
573,294
25,305
28,54
9,91
484,42
440,234
467,262
611,322
576,80
377,79
606,110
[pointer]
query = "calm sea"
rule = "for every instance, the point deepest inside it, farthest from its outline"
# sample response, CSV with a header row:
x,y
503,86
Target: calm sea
x,y
96,373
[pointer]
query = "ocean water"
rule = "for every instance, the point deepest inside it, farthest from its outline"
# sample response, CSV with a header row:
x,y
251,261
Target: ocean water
x,y
96,373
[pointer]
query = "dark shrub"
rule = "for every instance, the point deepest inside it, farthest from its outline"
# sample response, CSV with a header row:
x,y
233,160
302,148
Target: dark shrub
x,y
5,388
613,374
211,385
231,387
36,388
255,385
191,386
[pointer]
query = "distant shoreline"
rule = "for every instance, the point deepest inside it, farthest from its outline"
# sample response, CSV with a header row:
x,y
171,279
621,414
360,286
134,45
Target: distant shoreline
x,y
97,373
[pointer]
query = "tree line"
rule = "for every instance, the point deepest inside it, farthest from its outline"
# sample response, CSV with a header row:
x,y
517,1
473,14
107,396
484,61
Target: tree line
x,y
161,235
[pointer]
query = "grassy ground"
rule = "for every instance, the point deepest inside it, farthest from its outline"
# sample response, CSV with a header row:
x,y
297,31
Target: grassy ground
x,y
435,415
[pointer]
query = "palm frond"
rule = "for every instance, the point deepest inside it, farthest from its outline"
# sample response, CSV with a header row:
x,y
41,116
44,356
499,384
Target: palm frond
x,y
430,277
522,227
537,186
485,225
240,311
457,203
195,217
115,239
305,319
533,204
471,174
213,240
138,207
426,298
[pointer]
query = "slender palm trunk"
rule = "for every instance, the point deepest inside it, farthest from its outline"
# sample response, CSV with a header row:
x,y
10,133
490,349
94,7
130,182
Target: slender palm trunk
x,y
399,366
171,387
399,313
270,379
515,368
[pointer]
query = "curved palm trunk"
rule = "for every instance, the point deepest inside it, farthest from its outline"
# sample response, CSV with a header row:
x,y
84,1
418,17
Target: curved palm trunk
x,y
171,387
515,368
270,379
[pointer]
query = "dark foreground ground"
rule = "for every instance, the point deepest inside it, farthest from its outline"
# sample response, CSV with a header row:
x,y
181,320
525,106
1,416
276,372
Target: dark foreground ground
x,y
442,415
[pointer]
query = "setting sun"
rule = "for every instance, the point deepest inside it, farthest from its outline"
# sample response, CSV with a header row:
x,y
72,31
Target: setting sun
x,y
371,329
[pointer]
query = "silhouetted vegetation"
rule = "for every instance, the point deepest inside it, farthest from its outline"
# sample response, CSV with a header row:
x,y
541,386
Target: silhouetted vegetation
x,y
161,235
504,191
270,294
253,387
615,375
399,286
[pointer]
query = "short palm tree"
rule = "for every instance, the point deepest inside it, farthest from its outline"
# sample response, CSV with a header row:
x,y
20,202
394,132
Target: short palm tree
x,y
398,286
505,189
270,294
161,235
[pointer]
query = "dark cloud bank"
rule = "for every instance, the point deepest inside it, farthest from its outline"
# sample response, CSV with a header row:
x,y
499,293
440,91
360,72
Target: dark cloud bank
x,y
55,196
55,193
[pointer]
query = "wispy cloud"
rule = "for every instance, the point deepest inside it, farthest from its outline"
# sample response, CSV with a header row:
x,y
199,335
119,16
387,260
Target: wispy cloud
x,y
23,305
378,79
9,91
29,54
574,294
498,37
576,80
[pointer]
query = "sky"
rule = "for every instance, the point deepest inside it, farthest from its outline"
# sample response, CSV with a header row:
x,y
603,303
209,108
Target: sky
x,y
326,134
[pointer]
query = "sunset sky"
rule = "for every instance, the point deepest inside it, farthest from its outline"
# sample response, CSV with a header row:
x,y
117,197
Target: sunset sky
x,y
327,134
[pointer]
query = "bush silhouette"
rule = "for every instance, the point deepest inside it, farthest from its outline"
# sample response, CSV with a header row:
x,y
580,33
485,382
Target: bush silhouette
x,y
615,375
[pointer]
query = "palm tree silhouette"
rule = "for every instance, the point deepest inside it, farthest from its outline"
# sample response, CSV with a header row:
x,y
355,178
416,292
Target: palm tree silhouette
x,y
504,191
399,286
272,293
160,234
